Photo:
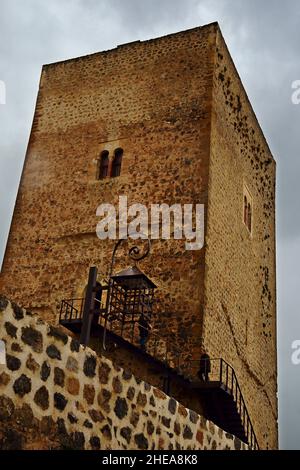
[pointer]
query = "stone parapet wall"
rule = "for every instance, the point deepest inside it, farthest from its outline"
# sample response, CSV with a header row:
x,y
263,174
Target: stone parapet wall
x,y
54,394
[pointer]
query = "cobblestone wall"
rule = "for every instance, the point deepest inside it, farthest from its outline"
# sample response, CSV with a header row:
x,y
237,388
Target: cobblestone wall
x,y
54,394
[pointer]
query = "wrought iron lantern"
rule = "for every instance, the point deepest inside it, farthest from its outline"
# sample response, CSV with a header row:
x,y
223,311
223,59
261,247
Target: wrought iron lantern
x,y
131,296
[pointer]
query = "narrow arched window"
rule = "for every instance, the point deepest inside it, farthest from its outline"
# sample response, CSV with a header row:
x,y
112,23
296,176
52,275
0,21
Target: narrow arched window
x,y
249,217
103,165
245,211
117,162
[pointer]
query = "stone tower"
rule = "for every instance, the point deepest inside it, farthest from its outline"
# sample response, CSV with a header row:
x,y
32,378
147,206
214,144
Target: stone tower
x,y
175,113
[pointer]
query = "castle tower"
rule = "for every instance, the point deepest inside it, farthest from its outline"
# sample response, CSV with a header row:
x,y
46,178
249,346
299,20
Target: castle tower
x,y
160,121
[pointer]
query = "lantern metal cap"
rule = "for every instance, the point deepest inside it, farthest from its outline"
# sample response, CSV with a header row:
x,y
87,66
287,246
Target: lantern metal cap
x,y
132,278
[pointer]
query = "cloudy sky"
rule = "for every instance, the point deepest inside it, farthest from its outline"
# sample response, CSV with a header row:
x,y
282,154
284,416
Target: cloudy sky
x,y
263,37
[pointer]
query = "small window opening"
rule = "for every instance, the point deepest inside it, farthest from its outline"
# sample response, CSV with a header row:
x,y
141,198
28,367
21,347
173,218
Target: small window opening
x,y
103,165
117,162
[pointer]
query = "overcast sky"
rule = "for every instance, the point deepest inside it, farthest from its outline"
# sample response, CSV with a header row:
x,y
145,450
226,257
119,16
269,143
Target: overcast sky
x,y
264,39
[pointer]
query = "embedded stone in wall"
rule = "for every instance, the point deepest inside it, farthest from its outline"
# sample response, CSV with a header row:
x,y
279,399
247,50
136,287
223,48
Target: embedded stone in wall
x,y
72,364
33,338
89,394
22,385
53,352
59,377
89,366
31,364
73,385
45,371
104,371
60,402
58,334
11,329
121,408
41,398
13,363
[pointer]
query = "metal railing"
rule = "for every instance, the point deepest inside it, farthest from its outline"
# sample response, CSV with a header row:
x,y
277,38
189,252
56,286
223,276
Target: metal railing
x,y
218,370
164,350
147,339
71,309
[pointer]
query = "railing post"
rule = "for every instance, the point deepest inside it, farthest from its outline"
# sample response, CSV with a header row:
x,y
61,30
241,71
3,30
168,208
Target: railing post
x,y
221,370
88,310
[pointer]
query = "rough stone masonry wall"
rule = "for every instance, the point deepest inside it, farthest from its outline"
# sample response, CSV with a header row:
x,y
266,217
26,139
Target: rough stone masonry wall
x,y
54,394
240,290
151,98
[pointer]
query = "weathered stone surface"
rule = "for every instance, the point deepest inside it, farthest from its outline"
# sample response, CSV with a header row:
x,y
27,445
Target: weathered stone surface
x,y
72,364
177,428
172,405
159,394
141,399
96,416
103,372
11,440
60,402
24,416
89,366
150,428
45,371
74,345
199,437
72,418
13,363
47,425
3,303
193,417
88,424
237,444
59,377
77,440
166,421
18,311
15,347
121,408
187,433
95,443
33,338
141,441
126,375
53,352
22,385
41,398
106,431
89,394
73,385
104,397
126,433
58,334
182,411
130,393
117,385
4,379
31,363
7,408
134,418
11,329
